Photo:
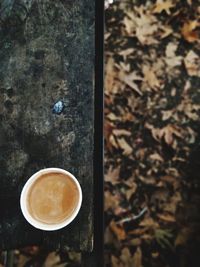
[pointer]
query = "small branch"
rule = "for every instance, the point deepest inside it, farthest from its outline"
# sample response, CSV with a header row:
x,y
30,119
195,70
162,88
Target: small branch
x,y
9,261
134,217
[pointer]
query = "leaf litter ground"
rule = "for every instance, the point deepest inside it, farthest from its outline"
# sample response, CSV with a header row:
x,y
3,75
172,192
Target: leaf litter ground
x,y
152,133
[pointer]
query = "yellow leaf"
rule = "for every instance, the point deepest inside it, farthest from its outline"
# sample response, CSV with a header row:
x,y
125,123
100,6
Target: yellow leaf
x,y
188,30
163,6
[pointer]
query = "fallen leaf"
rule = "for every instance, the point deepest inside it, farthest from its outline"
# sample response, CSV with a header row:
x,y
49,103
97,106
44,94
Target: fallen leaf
x,y
163,5
171,180
118,231
53,260
113,142
148,180
129,79
192,63
171,59
127,149
137,258
109,75
111,116
126,257
135,242
167,133
183,237
156,157
112,175
116,262
112,202
126,52
188,31
167,114
120,132
166,217
149,223
172,203
131,191
150,77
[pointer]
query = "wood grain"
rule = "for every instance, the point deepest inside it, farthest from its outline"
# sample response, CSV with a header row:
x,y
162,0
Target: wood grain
x,y
46,56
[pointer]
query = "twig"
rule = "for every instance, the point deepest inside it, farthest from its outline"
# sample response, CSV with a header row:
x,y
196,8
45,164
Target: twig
x,y
9,261
134,217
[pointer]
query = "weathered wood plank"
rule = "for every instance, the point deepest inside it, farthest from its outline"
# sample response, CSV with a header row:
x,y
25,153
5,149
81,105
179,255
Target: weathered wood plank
x,y
46,55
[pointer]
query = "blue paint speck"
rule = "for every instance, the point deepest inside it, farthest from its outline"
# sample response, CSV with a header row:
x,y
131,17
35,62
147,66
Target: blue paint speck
x,y
58,107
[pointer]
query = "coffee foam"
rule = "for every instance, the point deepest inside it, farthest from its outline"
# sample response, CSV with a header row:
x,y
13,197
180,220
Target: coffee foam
x,y
52,198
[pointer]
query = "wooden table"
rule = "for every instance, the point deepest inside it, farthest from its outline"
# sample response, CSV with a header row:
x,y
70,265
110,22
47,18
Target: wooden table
x,y
46,111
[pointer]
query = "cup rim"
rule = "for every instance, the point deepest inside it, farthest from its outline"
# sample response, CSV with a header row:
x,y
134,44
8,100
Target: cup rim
x,y
23,202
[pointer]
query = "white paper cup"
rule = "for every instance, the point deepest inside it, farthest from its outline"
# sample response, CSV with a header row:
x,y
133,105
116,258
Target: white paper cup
x,y
24,202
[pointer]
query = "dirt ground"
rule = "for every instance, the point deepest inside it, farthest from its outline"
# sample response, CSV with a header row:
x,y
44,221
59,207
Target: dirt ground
x,y
152,133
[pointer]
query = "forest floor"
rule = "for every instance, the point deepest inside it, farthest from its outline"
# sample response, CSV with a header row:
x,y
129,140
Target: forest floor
x,y
152,133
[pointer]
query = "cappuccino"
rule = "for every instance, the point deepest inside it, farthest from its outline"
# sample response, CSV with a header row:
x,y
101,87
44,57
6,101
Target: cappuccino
x,y
52,198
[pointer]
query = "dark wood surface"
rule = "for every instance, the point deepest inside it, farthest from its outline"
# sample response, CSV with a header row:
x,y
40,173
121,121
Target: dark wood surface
x,y
46,56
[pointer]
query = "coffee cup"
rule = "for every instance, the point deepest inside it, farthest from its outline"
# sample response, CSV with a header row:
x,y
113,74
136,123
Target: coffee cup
x,y
51,199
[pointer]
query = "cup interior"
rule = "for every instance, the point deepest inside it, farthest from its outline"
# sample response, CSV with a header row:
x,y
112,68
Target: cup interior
x,y
24,200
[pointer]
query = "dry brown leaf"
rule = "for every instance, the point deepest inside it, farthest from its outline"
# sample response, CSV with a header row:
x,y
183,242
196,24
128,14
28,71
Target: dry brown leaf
x,y
166,114
137,258
150,77
110,75
171,59
163,5
116,262
172,203
183,237
120,132
139,231
112,143
129,79
188,31
127,52
131,191
112,202
129,24
166,217
127,149
172,180
141,23
112,175
167,133
147,180
111,116
156,156
149,223
165,31
118,231
53,260
146,26
189,2
135,242
192,63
